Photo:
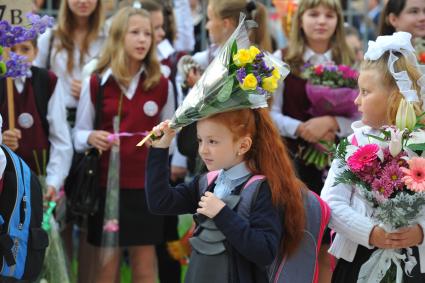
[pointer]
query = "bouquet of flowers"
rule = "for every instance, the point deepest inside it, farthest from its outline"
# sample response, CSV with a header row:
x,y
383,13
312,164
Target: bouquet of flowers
x,y
389,172
15,65
240,76
331,90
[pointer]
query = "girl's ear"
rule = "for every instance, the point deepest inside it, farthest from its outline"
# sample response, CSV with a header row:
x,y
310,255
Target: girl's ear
x,y
392,19
245,144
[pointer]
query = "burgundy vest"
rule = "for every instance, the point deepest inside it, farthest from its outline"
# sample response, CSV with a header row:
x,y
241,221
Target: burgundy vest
x,y
295,103
133,119
34,140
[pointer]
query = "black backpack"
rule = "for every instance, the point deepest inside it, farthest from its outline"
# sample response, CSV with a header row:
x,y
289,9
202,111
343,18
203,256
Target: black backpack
x,y
22,240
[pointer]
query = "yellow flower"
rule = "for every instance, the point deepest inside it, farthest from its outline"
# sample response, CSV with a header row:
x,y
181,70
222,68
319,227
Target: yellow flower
x,y
275,73
242,57
249,82
254,51
269,84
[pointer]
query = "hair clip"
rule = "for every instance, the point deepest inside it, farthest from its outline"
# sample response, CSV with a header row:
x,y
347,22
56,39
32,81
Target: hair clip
x,y
251,6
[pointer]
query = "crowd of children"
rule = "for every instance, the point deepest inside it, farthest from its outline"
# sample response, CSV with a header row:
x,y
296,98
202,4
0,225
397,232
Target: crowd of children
x,y
132,59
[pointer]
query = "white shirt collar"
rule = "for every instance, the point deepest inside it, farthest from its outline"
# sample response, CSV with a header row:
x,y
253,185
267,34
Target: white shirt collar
x,y
129,93
20,82
236,172
315,58
164,49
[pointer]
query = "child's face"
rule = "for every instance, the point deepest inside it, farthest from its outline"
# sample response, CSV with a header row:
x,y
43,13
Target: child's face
x,y
356,45
319,23
138,38
27,49
157,19
82,8
411,19
372,100
217,146
215,26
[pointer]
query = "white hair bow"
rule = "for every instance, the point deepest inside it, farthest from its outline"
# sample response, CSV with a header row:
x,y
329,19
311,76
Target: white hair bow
x,y
398,42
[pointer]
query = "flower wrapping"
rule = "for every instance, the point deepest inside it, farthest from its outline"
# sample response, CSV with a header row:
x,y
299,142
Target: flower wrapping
x,y
326,100
389,173
331,90
240,76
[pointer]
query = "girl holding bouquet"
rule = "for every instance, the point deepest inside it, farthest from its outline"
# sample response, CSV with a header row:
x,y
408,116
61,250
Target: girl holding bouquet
x,y
317,37
358,235
134,90
240,144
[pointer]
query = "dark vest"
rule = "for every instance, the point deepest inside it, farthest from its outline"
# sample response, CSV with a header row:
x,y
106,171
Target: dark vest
x,y
133,120
34,145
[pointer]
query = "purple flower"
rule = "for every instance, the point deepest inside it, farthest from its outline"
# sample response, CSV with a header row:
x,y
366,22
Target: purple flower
x,y
393,175
17,66
383,186
240,74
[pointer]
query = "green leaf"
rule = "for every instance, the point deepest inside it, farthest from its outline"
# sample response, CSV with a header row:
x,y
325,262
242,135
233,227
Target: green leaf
x,y
224,93
375,137
417,146
234,48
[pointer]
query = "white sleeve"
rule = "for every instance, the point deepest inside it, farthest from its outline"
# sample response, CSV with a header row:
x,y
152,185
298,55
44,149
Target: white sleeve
x,y
43,45
169,107
287,125
345,220
178,159
60,140
85,118
185,38
344,125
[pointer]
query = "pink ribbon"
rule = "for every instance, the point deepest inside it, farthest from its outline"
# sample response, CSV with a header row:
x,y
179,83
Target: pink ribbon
x,y
113,137
111,226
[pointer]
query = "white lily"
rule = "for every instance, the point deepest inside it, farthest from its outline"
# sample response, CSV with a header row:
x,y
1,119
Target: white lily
x,y
406,116
416,137
395,145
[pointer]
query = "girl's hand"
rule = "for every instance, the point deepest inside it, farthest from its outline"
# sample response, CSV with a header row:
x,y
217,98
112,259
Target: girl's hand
x,y
402,238
11,138
165,133
76,88
407,237
315,129
210,205
99,139
192,77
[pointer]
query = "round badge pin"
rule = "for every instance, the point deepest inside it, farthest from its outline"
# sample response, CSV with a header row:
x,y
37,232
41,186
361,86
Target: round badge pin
x,y
150,108
25,120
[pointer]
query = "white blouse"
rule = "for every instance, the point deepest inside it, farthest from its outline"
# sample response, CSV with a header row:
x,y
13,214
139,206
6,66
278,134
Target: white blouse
x,y
86,112
288,125
59,60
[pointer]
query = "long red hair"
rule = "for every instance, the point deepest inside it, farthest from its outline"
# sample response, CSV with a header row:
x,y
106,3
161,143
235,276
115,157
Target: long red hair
x,y
268,156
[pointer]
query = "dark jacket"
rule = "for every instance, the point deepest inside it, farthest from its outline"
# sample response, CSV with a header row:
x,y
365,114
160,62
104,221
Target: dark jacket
x,y
252,245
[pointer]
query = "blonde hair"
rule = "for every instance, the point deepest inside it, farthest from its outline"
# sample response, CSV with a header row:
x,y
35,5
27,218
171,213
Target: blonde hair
x,y
231,9
341,52
66,28
114,56
388,81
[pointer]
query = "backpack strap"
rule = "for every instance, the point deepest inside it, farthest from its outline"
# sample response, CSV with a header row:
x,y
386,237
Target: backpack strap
x,y
249,195
43,87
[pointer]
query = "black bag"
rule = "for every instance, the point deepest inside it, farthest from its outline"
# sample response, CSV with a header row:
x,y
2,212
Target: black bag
x,y
22,240
82,184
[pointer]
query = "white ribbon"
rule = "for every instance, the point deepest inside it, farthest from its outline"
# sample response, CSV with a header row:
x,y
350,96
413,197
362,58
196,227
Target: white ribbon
x,y
398,42
374,270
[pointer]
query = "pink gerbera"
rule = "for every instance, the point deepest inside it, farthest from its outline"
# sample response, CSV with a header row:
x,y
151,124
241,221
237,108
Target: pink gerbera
x,y
364,156
414,177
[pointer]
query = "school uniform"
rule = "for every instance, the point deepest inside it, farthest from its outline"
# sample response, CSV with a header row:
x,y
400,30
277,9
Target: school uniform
x,y
290,108
249,245
48,57
352,221
141,111
55,140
